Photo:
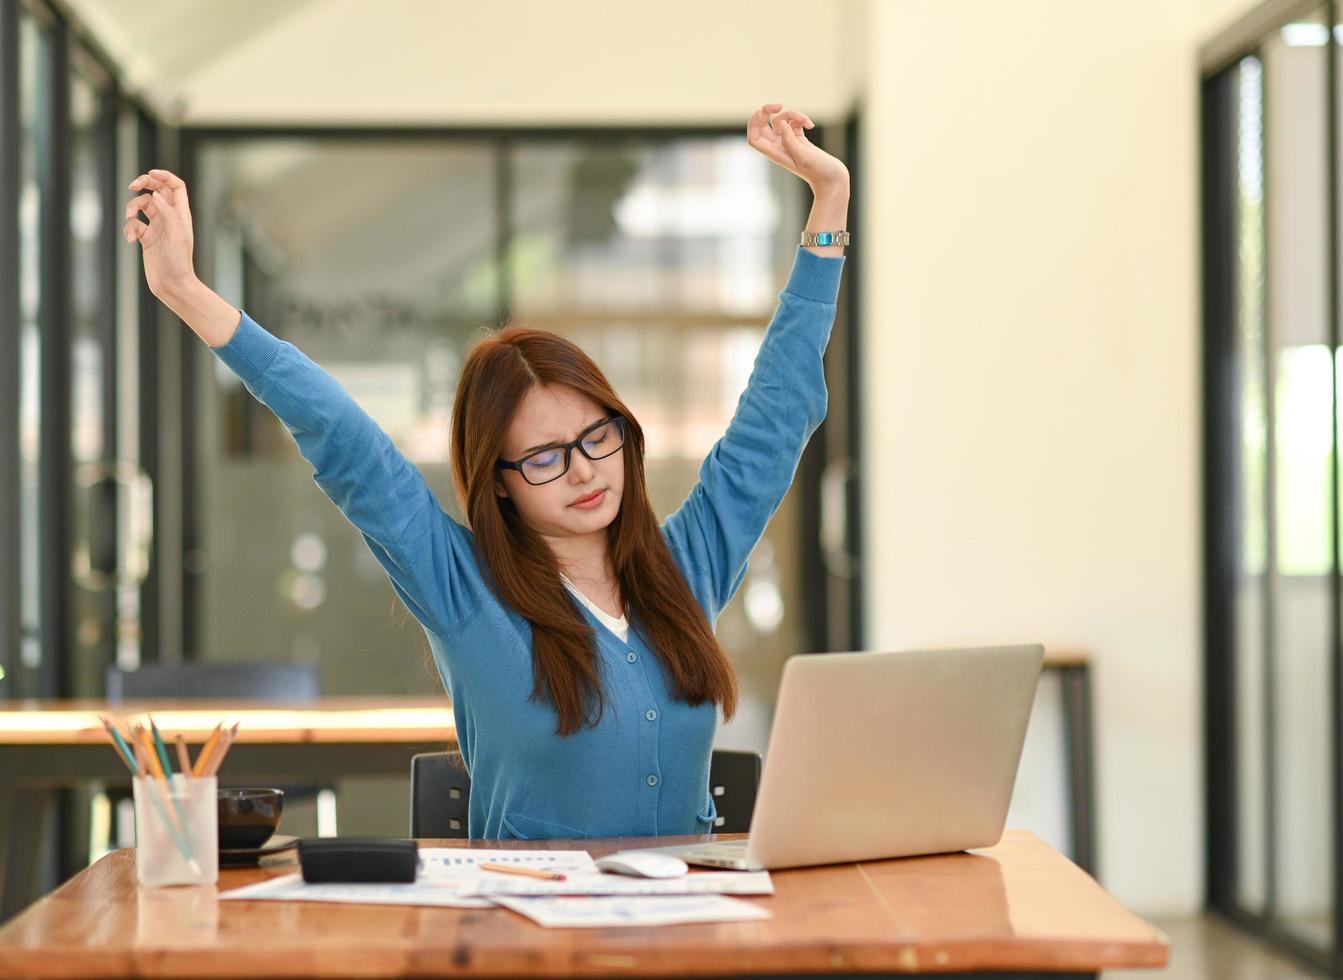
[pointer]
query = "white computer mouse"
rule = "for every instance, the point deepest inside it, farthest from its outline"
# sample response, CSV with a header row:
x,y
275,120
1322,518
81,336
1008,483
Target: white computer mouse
x,y
643,864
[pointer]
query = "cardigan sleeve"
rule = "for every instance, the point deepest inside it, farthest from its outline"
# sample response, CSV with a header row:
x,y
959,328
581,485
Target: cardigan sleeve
x,y
749,470
428,556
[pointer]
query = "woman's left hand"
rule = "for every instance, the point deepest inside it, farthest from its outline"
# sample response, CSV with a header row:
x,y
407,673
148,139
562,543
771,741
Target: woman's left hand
x,y
782,137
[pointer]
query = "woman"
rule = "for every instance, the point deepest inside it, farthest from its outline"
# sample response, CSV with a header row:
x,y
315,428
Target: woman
x,y
572,632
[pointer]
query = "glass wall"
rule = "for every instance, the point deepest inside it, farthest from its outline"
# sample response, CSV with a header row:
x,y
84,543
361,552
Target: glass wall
x,y
1299,371
62,476
384,260
1271,341
35,161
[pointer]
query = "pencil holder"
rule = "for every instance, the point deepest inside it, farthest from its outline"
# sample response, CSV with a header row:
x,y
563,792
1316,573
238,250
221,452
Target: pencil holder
x,y
176,830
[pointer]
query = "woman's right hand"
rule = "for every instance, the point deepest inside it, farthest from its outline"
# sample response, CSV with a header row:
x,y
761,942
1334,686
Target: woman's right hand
x,y
167,241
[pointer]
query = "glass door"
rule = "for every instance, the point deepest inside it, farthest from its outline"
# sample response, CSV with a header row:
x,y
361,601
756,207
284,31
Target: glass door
x,y
1271,307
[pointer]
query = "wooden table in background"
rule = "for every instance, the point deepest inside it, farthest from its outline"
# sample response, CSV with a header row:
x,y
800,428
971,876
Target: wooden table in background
x,y
1079,754
1016,909
51,745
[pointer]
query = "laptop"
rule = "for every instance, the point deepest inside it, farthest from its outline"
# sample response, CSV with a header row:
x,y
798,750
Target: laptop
x,y
883,755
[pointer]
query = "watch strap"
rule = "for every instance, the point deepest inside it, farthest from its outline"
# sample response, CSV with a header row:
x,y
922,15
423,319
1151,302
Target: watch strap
x,y
813,238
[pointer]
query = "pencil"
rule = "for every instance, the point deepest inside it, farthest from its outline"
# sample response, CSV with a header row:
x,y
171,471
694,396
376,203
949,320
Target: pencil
x,y
183,759
513,869
119,745
216,759
225,744
159,747
203,759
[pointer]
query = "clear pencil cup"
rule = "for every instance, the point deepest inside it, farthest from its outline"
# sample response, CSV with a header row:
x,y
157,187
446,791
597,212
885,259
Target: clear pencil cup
x,y
176,831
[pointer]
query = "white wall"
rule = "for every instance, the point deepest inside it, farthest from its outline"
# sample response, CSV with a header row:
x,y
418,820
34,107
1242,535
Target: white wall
x,y
1032,328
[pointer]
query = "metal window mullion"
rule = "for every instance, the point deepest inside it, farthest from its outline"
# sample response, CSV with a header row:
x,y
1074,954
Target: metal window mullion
x,y
105,155
10,327
1335,614
1268,650
146,311
189,558
54,470
1220,485
853,265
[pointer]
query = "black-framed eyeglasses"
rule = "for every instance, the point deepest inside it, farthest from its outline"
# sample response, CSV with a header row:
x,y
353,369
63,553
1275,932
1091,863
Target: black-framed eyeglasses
x,y
597,441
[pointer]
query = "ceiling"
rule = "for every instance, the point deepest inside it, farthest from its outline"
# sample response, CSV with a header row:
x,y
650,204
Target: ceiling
x,y
507,62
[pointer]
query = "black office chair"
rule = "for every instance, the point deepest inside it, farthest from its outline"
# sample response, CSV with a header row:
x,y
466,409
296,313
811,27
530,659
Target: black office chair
x,y
440,792
260,682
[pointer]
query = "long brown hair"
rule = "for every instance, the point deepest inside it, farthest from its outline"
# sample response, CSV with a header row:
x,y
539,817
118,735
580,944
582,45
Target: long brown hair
x,y
498,373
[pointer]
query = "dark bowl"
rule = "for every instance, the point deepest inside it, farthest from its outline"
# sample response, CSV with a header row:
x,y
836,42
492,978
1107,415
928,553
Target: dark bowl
x,y
247,817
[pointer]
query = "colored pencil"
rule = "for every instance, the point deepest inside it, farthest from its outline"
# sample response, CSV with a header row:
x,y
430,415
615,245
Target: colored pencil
x,y
203,759
159,747
225,744
119,745
183,758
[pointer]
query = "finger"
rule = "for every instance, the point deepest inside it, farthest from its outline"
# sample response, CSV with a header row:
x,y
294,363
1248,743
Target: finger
x,y
765,140
150,207
171,179
166,181
138,204
146,234
174,186
176,189
156,178
145,182
769,143
164,203
759,119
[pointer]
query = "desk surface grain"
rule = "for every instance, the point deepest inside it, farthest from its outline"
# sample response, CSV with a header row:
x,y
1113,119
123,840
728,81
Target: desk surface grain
x,y
1016,906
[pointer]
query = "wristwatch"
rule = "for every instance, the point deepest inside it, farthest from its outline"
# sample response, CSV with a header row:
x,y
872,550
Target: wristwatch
x,y
825,238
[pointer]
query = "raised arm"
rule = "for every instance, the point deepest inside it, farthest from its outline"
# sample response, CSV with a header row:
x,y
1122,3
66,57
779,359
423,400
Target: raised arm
x,y
749,470
424,552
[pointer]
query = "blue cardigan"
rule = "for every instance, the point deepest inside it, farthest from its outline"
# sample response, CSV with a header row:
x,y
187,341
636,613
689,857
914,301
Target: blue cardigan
x,y
644,769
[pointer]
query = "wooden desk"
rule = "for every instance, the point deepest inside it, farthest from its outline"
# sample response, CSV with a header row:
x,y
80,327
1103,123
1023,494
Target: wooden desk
x,y
1016,909
50,745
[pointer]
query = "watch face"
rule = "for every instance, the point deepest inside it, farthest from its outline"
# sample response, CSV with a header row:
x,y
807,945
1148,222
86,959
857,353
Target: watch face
x,y
824,238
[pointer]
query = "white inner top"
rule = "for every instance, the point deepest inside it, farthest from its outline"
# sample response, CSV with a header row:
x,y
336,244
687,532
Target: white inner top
x,y
620,627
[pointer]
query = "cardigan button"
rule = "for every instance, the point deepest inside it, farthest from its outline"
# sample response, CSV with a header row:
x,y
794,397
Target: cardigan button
x,y
652,780
651,715
631,656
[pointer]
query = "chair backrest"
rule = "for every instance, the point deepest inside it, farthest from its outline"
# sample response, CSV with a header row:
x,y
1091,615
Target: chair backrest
x,y
734,780
292,683
440,795
440,792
